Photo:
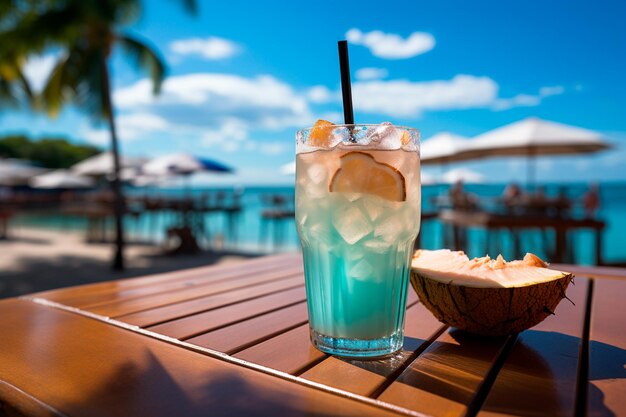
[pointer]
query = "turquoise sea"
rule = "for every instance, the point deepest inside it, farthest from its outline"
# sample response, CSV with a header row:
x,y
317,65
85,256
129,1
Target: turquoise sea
x,y
248,225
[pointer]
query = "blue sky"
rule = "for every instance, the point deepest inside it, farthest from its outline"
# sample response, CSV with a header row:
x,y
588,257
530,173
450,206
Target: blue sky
x,y
243,76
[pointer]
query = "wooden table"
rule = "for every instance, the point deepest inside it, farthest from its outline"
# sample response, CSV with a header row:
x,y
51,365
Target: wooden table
x,y
493,221
233,340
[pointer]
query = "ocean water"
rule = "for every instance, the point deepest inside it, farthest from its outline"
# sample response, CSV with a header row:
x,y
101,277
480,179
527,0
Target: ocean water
x,y
251,234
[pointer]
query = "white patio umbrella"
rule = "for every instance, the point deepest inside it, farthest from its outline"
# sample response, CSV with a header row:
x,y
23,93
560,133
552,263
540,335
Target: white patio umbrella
x,y
102,164
463,174
61,178
533,137
182,164
289,168
442,148
17,172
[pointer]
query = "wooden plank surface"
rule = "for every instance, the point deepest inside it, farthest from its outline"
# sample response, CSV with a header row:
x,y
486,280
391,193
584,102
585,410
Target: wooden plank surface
x,y
204,322
84,367
365,377
93,294
443,380
539,377
243,334
181,309
289,352
606,390
170,296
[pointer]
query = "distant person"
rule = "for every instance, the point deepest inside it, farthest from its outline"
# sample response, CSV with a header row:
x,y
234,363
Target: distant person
x,y
460,199
512,196
591,201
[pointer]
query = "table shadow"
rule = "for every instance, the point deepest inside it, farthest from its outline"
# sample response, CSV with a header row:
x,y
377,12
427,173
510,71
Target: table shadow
x,y
149,389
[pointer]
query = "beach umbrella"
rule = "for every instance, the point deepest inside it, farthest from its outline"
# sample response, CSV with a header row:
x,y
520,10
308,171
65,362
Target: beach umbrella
x,y
102,164
428,179
289,168
61,178
442,148
182,164
15,172
462,174
533,137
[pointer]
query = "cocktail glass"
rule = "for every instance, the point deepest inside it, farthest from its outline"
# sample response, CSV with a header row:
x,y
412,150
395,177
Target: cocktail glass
x,y
358,200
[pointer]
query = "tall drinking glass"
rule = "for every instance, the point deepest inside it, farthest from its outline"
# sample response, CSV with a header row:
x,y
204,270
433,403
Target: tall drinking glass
x,y
358,200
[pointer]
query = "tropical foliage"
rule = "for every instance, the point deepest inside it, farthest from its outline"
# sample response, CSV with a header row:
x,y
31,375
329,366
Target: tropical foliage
x,y
46,152
84,33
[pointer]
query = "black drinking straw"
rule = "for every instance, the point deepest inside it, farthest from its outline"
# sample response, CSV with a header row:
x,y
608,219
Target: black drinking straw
x,y
346,88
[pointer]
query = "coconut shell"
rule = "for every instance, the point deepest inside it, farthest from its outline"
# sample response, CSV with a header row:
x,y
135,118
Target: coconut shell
x,y
490,311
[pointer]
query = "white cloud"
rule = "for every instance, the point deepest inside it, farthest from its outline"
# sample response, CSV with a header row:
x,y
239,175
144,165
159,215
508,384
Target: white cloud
x,y
129,127
409,98
527,100
209,99
371,73
520,100
272,148
38,69
211,48
551,91
230,133
320,94
392,46
98,137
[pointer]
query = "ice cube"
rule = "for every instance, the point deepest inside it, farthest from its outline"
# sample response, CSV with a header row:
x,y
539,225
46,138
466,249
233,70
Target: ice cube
x,y
385,136
321,231
373,208
362,270
351,223
376,245
339,135
390,229
317,173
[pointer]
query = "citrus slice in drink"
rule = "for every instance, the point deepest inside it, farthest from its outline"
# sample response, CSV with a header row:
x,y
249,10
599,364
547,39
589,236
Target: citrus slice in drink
x,y
406,138
361,173
320,133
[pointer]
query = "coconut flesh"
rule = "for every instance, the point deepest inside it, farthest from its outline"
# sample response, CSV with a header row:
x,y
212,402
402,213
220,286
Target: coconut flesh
x,y
487,296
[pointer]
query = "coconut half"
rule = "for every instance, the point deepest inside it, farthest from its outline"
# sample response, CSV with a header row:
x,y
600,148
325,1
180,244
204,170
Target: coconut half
x,y
487,296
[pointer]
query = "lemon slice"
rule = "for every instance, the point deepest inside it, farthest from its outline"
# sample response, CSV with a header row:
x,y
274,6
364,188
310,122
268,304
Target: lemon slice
x,y
361,173
320,133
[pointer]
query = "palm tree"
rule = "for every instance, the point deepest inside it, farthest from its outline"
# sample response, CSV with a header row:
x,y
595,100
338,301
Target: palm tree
x,y
87,31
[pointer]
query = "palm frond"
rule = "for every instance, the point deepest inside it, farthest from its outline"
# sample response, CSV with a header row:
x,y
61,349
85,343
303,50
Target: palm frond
x,y
14,87
190,6
144,57
77,78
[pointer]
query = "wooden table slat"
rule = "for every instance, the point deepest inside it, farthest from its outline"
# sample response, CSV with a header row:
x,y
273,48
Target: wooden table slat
x,y
606,390
443,380
109,371
91,294
204,322
239,336
540,374
177,310
124,306
288,352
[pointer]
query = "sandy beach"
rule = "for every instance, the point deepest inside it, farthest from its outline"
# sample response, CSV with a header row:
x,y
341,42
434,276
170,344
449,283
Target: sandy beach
x,y
39,259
